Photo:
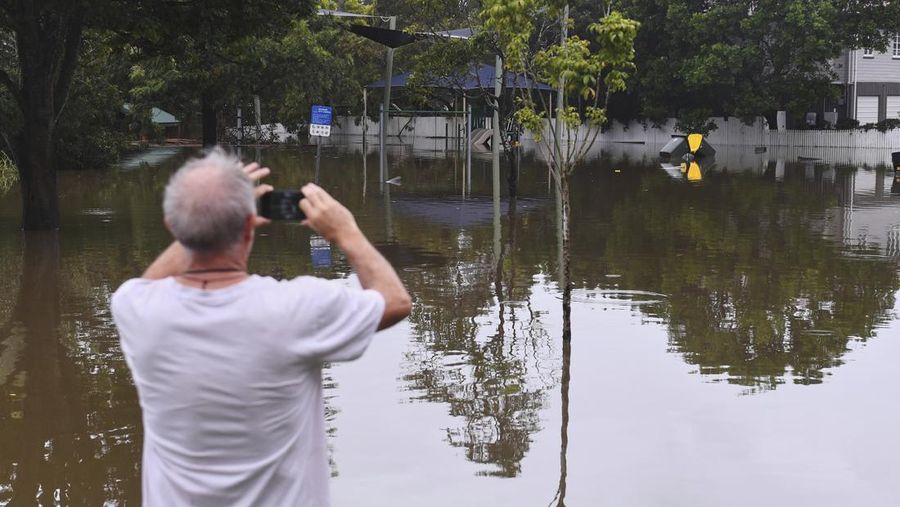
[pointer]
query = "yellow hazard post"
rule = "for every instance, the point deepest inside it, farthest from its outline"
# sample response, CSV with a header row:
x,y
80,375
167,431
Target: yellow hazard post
x,y
694,142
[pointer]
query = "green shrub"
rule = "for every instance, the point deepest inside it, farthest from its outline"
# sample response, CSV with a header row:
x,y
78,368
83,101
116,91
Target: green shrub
x,y
9,175
846,124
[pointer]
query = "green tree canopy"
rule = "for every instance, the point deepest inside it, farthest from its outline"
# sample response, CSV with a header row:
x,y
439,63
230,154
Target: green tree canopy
x,y
697,58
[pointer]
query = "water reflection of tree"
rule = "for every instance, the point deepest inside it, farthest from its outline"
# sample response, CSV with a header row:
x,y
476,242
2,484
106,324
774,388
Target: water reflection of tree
x,y
757,293
68,412
69,417
481,351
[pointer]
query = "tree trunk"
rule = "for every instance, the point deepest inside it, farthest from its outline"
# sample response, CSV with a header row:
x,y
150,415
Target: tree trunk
x,y
37,174
34,156
209,120
566,257
48,41
512,175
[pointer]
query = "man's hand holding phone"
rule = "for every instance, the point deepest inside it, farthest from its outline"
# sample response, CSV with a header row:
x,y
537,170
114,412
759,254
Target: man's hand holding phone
x,y
327,216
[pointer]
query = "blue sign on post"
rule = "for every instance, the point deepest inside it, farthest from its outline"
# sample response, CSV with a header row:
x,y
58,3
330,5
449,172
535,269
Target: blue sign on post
x,y
320,121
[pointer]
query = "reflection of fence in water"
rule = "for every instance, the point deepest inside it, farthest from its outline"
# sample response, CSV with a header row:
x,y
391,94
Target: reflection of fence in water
x,y
892,246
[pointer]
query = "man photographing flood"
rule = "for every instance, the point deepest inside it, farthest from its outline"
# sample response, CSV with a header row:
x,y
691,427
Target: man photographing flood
x,y
228,364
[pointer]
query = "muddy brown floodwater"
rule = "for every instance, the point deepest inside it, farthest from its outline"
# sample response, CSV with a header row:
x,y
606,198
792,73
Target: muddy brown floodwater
x,y
734,340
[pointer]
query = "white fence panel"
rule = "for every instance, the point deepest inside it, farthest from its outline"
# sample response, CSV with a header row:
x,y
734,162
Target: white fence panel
x,y
730,132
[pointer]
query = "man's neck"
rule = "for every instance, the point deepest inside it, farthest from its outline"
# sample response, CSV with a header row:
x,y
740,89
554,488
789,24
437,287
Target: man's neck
x,y
217,262
214,272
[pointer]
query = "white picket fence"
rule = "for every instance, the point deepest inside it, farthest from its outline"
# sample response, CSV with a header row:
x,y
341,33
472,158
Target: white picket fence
x,y
854,139
733,132
730,132
403,126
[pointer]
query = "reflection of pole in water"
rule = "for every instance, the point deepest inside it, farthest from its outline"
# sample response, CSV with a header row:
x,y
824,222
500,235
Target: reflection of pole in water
x,y
381,155
497,229
365,172
388,214
564,423
318,156
879,182
848,210
562,236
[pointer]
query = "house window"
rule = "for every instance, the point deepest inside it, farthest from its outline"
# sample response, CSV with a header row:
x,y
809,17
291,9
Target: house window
x,y
868,53
896,46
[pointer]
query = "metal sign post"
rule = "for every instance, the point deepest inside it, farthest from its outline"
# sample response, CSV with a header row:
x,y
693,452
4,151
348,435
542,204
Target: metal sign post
x,y
381,133
469,149
320,126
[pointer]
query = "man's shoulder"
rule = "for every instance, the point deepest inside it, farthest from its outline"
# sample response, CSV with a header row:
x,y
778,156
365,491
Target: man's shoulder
x,y
304,282
131,287
308,290
133,296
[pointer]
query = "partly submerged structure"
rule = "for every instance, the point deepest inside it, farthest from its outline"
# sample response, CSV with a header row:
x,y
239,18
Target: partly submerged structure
x,y
475,78
681,146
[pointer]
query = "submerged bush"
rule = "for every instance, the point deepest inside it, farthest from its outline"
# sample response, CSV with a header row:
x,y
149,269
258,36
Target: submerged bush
x,y
9,175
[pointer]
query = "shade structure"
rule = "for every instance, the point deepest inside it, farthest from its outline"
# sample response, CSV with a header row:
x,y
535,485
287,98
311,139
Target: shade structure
x,y
385,36
476,78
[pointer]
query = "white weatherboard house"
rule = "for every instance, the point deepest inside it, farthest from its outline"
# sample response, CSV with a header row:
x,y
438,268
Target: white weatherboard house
x,y
871,81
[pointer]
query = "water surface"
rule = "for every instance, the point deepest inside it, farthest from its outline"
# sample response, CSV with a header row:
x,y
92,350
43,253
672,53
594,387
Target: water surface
x,y
733,340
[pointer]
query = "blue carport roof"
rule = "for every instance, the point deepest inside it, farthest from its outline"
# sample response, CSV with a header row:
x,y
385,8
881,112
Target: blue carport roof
x,y
480,77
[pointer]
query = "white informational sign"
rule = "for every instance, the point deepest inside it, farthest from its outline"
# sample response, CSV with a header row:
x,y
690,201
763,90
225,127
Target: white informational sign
x,y
320,121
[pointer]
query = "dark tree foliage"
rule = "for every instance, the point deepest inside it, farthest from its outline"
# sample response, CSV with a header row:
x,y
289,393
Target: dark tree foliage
x,y
199,44
41,43
47,41
747,58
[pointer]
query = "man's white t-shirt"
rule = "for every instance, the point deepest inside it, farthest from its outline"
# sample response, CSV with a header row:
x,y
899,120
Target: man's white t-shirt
x,y
230,384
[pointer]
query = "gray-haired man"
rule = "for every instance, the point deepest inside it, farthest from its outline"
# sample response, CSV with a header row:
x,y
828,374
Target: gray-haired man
x,y
228,364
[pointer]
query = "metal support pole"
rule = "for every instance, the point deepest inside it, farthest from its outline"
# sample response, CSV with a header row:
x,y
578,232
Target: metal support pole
x,y
318,156
365,172
469,150
365,118
240,128
388,215
495,139
257,115
381,156
388,69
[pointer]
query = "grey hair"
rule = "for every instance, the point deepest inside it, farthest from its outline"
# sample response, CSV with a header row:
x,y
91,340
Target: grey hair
x,y
207,202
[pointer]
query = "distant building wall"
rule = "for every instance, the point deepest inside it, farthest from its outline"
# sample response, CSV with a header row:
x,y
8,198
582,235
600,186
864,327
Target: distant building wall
x,y
871,82
878,68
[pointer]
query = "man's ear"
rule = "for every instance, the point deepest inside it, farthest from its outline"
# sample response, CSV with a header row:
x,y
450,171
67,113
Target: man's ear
x,y
249,227
168,227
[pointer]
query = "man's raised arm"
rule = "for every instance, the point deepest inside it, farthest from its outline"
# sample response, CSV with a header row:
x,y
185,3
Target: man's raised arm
x,y
335,223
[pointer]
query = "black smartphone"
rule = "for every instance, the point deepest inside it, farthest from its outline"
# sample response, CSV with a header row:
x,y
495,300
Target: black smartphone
x,y
281,205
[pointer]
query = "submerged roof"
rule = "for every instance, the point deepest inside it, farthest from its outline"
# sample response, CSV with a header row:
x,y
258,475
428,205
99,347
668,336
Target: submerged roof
x,y
160,117
477,77
456,212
